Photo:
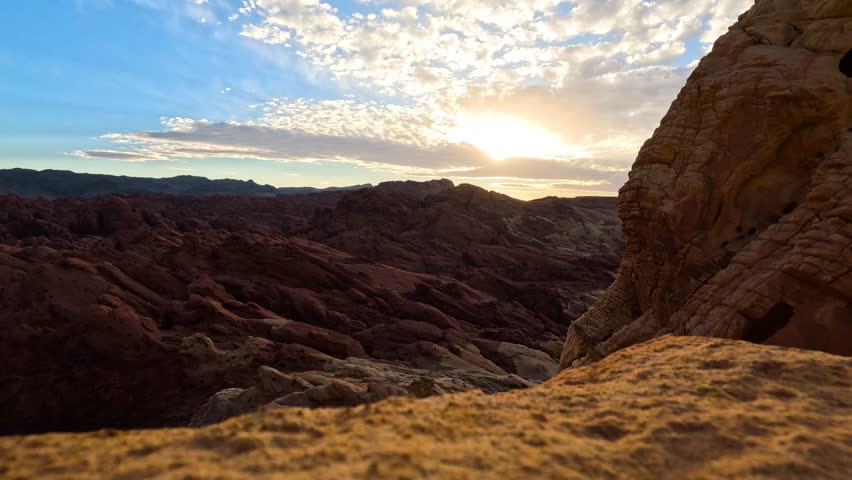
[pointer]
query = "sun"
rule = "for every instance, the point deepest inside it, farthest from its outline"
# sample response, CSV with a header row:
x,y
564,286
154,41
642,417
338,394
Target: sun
x,y
506,137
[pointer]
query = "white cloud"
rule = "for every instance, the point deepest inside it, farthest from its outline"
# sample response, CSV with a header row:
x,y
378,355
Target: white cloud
x,y
447,45
266,34
598,74
522,177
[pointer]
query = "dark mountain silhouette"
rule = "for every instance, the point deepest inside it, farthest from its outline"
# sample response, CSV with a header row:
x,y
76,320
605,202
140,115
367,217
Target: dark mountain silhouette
x,y
63,183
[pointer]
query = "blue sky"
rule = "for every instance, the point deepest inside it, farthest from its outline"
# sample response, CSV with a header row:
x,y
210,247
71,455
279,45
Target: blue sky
x,y
119,66
300,92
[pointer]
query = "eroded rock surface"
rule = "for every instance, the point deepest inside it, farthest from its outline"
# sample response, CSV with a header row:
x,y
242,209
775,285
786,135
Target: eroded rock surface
x,y
134,311
738,209
673,408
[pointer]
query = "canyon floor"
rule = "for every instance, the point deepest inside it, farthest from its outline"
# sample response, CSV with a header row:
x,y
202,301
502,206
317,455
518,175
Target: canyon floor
x,y
674,407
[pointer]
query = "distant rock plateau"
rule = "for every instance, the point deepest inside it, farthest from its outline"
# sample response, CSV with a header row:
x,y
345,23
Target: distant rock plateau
x,y
63,183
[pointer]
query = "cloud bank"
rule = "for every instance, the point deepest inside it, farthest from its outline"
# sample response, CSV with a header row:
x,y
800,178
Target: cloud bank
x,y
598,74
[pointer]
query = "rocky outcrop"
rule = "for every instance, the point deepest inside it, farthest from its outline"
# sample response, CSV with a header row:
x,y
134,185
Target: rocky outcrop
x,y
673,408
738,209
350,382
137,311
418,190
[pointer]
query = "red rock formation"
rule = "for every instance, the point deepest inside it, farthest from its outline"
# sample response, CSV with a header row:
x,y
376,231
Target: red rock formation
x,y
133,311
738,209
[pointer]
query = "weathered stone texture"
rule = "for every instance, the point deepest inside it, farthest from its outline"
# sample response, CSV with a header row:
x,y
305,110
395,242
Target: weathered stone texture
x,y
738,209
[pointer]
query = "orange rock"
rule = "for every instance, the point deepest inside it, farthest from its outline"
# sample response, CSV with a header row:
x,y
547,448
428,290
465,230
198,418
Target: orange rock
x,y
736,211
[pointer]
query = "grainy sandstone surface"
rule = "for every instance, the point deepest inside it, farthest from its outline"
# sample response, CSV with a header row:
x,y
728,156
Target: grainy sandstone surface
x,y
673,408
738,211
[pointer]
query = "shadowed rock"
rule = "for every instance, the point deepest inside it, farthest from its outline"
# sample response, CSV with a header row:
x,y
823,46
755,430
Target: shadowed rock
x,y
134,311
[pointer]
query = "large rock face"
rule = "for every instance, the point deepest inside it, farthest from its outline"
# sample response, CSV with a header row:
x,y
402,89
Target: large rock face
x,y
738,209
673,408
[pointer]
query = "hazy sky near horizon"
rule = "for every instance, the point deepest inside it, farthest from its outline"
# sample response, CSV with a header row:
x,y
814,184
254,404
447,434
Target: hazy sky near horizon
x,y
527,97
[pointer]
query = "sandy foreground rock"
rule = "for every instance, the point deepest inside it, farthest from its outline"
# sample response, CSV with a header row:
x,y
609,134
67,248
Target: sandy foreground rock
x,y
675,407
738,209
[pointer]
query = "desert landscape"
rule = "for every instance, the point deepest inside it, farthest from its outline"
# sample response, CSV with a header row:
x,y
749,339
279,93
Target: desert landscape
x,y
698,326
402,289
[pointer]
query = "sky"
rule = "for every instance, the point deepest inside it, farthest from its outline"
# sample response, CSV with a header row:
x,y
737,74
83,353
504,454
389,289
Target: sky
x,y
529,97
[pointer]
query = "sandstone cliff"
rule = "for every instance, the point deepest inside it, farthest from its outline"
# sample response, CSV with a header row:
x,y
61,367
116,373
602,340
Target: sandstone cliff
x,y
738,209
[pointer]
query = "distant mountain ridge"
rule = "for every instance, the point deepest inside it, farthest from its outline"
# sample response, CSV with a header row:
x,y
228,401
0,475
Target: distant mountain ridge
x,y
64,183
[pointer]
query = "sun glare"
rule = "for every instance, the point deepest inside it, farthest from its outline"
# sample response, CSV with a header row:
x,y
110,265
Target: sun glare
x,y
507,137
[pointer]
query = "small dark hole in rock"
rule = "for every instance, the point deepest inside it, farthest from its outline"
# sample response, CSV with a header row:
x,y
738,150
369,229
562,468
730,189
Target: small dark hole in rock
x,y
789,208
739,229
846,64
775,319
719,210
724,244
752,231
